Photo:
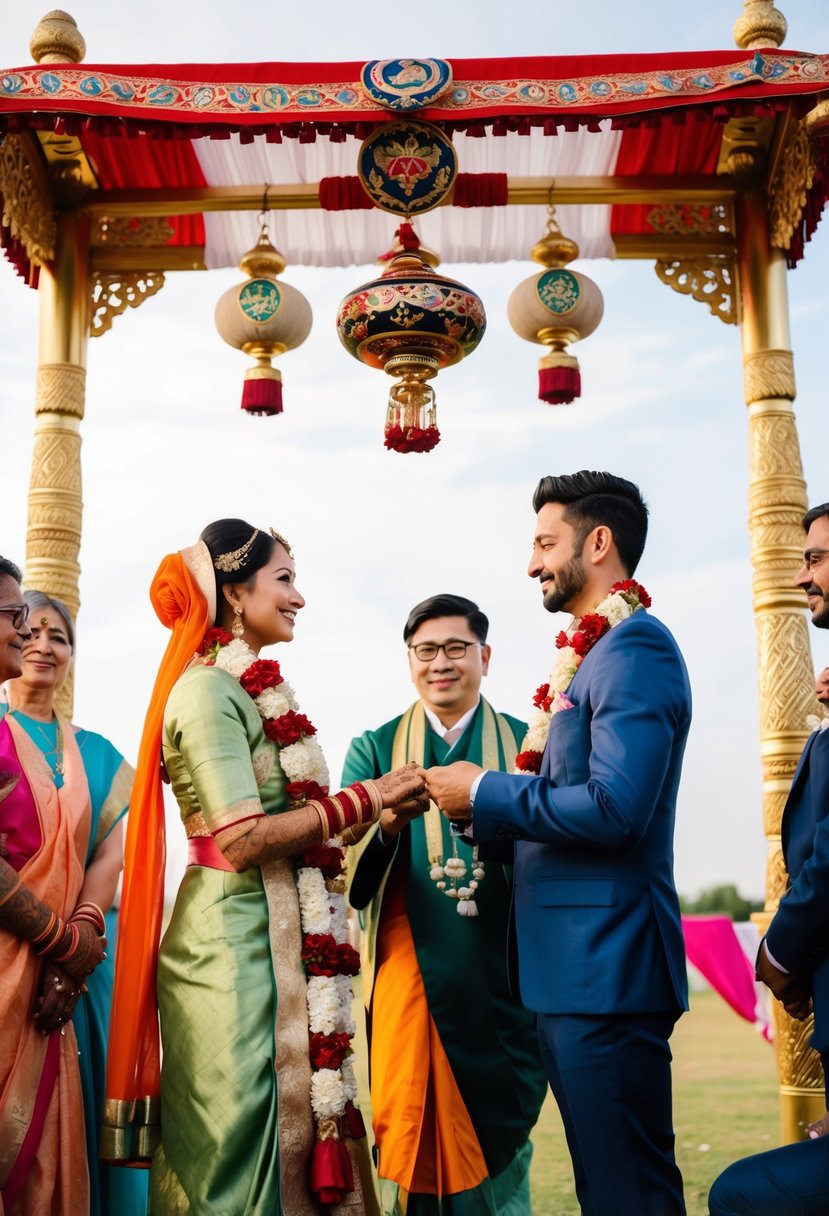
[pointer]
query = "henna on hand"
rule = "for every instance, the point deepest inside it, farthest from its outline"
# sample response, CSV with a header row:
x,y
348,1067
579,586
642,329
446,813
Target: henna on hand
x,y
21,912
59,994
86,955
272,837
400,785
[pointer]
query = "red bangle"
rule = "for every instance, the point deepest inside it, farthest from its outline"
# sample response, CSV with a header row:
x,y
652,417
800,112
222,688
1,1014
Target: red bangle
x,y
92,913
363,794
53,935
331,811
71,948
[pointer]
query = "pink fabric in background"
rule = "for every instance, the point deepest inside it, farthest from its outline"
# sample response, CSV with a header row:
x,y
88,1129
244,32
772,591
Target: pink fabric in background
x,y
712,945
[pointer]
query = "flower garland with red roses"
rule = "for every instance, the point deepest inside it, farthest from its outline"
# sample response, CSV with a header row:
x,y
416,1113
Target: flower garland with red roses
x,y
410,438
623,599
327,955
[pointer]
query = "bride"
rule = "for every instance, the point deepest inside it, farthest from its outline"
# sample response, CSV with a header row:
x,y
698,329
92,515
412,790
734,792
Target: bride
x,y
257,1111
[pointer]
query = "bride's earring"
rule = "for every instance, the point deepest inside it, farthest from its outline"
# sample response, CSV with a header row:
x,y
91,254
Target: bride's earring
x,y
237,628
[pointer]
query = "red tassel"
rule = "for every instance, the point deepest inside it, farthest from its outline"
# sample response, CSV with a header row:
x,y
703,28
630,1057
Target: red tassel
x,y
559,385
331,1174
262,397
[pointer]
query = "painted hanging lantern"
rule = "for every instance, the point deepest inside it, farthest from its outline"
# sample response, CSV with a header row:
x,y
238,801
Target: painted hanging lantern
x,y
263,317
557,307
411,321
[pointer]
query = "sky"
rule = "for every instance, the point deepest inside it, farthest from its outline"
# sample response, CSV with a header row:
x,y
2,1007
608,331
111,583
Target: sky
x,y
166,450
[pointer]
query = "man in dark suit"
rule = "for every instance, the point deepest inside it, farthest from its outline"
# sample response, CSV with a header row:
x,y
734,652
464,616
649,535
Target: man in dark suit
x,y
600,947
794,956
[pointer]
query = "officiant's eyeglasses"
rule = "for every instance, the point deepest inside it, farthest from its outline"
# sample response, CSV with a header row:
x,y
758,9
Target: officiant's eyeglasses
x,y
453,649
19,614
813,557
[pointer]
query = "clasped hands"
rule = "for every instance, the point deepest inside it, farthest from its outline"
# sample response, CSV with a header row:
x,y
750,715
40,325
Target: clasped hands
x,y
407,791
63,984
790,989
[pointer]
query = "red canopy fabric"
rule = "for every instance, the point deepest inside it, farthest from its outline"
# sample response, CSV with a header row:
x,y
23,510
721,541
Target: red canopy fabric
x,y
164,125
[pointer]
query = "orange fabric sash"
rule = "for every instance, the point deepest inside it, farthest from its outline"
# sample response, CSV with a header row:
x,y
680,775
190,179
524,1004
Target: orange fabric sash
x,y
133,1062
58,1177
422,1129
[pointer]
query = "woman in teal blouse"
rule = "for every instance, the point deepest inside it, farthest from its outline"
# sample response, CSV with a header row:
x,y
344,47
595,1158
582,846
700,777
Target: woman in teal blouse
x,y
46,658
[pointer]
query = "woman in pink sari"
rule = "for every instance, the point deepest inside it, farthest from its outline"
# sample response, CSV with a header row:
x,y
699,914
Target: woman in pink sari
x,y
48,945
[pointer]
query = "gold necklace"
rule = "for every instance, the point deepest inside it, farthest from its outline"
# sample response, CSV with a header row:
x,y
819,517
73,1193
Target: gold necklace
x,y
57,750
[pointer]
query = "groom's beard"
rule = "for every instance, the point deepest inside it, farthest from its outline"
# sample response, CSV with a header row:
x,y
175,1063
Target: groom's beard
x,y
820,619
569,582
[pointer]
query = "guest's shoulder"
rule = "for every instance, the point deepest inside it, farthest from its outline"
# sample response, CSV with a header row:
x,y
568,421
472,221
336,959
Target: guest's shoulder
x,y
378,736
518,727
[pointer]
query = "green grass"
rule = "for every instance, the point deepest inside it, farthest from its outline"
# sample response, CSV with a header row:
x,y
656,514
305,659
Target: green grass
x,y
725,1107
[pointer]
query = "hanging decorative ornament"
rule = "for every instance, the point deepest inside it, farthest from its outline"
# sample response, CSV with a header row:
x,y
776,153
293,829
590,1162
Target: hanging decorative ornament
x,y
263,317
411,322
556,307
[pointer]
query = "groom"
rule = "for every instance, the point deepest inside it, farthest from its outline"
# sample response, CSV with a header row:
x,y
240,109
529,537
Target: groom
x,y
601,954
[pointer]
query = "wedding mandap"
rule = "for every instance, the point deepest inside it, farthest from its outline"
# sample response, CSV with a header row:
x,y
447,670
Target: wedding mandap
x,y
714,166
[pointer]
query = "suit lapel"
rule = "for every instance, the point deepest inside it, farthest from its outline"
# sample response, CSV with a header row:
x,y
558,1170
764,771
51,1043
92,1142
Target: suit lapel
x,y
797,781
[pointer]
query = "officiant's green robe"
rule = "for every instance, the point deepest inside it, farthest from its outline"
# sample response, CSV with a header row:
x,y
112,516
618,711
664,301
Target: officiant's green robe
x,y
488,1038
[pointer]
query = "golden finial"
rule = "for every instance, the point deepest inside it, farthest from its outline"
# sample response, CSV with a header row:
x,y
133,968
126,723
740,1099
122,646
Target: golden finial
x,y
761,25
57,39
554,249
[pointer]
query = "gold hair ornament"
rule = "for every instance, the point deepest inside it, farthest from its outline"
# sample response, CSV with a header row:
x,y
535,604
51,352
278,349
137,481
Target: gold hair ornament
x,y
279,537
235,559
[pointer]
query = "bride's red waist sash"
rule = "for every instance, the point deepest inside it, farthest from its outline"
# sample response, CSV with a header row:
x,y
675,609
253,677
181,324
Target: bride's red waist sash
x,y
203,851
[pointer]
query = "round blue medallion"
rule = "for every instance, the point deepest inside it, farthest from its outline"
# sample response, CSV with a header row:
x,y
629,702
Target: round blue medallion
x,y
558,290
406,84
259,300
407,167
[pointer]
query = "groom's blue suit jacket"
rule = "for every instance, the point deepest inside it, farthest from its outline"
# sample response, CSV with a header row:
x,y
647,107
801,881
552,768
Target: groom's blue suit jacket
x,y
596,910
798,936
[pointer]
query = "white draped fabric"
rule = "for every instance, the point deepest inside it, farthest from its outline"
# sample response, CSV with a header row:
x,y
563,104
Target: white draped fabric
x,y
458,234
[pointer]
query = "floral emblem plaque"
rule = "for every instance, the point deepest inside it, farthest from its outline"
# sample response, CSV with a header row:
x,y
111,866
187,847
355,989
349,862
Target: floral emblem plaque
x,y
558,290
406,84
259,300
407,167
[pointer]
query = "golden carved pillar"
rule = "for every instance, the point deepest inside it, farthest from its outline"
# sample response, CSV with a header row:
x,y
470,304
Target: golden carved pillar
x,y
53,536
777,503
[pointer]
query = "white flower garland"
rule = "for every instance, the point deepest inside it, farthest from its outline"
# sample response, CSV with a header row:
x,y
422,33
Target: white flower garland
x,y
322,903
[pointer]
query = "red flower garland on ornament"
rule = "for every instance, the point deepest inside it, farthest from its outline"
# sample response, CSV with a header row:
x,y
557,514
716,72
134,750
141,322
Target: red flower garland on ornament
x,y
411,438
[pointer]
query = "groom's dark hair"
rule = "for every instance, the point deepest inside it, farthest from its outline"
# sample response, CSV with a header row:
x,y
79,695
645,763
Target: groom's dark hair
x,y
813,514
591,499
446,605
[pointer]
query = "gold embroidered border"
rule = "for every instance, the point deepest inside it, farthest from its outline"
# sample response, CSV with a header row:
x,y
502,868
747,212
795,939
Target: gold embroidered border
x,y
116,801
197,825
59,87
292,1059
